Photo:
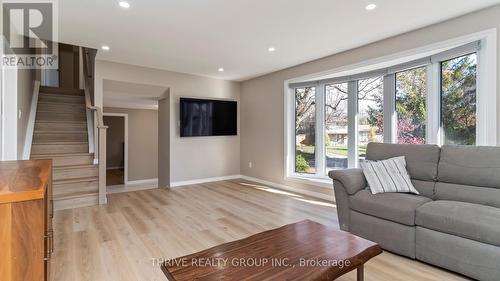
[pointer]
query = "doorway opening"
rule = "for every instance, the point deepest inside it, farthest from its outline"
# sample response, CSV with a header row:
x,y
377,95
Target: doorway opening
x,y
116,148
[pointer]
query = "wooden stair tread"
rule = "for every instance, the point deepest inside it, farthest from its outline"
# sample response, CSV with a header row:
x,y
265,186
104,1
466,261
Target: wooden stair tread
x,y
62,121
75,167
61,134
65,113
76,180
61,138
66,95
67,91
65,154
65,143
57,197
40,132
58,104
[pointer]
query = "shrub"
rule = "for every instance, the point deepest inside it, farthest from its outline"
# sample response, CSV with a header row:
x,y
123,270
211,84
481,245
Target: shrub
x,y
301,164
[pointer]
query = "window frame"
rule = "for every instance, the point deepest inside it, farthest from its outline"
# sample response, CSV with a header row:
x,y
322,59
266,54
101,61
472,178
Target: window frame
x,y
486,89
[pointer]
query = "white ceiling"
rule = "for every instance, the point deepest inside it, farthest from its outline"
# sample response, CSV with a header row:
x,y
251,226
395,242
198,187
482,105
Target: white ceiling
x,y
199,36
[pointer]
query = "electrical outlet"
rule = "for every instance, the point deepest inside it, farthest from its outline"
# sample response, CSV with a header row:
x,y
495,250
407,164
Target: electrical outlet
x,y
250,165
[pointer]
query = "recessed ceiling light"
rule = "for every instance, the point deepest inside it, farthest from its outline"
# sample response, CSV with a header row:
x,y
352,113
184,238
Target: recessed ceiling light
x,y
221,69
271,49
124,4
370,7
105,48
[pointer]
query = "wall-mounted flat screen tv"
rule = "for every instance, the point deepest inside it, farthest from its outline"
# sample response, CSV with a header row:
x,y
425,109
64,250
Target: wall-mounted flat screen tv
x,y
202,117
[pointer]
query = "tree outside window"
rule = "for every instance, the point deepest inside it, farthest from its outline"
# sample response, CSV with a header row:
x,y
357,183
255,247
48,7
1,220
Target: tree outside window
x,y
458,100
411,93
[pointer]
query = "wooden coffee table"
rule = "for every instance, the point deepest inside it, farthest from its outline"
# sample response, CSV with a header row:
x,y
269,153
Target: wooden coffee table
x,y
301,251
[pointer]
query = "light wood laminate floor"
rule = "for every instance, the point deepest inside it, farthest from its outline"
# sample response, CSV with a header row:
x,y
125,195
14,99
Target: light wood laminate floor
x,y
121,240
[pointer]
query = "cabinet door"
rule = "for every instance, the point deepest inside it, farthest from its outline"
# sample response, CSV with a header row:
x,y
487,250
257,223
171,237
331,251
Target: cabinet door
x,y
28,245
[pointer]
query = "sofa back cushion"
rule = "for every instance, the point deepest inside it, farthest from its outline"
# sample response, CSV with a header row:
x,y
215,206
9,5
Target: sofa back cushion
x,y
469,174
468,193
425,188
421,160
470,165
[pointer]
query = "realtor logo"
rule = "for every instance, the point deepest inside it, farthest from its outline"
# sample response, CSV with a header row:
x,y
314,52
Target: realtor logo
x,y
29,31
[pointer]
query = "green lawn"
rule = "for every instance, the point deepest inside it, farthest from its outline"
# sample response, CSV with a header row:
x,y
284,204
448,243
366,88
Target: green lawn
x,y
334,150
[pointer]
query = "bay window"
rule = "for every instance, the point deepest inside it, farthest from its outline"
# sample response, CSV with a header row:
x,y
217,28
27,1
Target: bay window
x,y
370,112
411,94
336,126
429,100
458,100
305,130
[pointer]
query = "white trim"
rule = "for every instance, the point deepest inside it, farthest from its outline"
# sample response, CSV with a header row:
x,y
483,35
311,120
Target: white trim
x,y
144,181
31,121
389,104
486,87
205,180
125,156
396,58
291,189
352,124
9,114
320,130
433,104
129,104
289,114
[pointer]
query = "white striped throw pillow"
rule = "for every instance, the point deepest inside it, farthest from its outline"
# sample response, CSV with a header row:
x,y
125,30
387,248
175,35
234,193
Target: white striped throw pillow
x,y
388,175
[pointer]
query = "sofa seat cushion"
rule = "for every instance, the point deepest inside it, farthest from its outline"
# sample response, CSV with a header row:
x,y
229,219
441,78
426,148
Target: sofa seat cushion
x,y
468,220
396,207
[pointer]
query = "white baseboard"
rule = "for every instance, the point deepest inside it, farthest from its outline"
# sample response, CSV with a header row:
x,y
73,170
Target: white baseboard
x,y
232,177
205,180
145,181
291,189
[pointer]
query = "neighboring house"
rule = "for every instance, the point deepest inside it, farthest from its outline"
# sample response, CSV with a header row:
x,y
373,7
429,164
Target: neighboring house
x,y
339,134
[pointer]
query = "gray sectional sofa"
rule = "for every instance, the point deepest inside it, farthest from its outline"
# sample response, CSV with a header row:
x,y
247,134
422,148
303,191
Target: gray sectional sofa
x,y
455,221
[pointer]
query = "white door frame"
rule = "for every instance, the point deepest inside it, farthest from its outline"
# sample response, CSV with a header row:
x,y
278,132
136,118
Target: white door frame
x,y
125,156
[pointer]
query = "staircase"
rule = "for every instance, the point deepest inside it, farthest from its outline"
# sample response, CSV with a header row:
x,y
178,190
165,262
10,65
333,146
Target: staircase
x,y
61,134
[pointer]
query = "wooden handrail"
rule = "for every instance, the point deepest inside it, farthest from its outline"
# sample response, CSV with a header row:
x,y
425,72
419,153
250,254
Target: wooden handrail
x,y
96,127
89,92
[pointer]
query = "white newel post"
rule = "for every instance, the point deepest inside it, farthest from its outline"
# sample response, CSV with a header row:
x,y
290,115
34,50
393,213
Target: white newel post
x,y
102,165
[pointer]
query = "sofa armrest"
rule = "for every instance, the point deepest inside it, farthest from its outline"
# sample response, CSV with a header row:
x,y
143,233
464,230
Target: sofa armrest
x,y
352,179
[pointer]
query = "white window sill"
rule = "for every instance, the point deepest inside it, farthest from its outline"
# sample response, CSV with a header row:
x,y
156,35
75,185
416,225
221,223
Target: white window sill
x,y
316,181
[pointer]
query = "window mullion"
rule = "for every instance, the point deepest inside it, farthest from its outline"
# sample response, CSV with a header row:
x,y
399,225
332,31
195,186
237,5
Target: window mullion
x,y
433,126
320,131
352,128
390,120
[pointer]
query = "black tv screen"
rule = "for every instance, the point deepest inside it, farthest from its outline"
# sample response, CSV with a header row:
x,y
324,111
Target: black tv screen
x,y
201,117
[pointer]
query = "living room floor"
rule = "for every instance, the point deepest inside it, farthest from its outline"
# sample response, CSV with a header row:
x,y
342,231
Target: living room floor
x,y
121,240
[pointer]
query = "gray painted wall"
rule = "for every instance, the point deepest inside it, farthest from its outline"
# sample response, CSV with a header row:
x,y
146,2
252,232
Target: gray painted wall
x,y
262,106
190,158
142,142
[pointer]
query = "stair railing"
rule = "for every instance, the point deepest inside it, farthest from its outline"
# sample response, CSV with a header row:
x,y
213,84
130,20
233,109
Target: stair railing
x,y
95,123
